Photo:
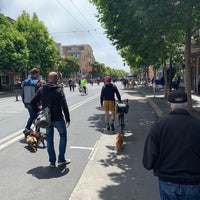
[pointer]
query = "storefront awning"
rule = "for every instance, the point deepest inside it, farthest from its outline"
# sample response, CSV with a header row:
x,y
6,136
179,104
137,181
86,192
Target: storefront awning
x,y
10,73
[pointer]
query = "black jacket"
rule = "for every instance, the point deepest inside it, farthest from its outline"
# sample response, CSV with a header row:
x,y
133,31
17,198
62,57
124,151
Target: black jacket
x,y
108,93
52,94
172,148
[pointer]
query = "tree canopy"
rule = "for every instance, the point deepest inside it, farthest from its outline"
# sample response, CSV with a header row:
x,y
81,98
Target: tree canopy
x,y
68,66
148,32
42,48
13,49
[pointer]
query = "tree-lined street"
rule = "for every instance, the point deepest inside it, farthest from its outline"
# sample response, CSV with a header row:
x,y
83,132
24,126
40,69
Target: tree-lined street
x,y
28,175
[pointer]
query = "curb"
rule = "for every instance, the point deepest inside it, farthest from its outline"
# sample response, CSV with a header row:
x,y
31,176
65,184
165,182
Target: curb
x,y
154,106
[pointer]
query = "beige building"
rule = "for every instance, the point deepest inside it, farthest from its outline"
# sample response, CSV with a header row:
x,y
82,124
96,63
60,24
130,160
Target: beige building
x,y
83,53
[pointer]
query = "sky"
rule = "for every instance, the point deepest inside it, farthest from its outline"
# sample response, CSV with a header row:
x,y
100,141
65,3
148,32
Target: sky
x,y
69,22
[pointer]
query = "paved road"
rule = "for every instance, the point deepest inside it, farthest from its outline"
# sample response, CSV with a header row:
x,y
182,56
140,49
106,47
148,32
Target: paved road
x,y
26,175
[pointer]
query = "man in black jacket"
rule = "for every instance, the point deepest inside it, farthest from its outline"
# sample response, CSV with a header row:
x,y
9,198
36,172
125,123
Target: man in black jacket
x,y
172,150
51,94
107,98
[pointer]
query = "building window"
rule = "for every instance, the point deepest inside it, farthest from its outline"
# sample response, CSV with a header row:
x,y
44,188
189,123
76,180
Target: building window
x,y
4,80
83,58
74,49
75,55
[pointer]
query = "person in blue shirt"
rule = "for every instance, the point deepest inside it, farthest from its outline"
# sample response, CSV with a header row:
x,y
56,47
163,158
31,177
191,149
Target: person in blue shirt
x,y
30,86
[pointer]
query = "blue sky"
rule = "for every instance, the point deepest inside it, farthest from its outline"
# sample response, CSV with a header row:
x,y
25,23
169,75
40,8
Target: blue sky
x,y
69,22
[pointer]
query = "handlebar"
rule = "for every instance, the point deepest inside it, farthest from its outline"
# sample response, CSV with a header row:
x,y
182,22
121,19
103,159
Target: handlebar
x,y
122,101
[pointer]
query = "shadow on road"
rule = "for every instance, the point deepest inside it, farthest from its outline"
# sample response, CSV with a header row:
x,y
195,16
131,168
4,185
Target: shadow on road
x,y
47,172
130,180
97,121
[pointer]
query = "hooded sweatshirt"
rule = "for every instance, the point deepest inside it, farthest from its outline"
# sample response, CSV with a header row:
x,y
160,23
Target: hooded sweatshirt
x,y
108,93
52,95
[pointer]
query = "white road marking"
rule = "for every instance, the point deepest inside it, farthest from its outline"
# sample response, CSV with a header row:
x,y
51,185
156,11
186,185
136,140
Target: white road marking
x,y
84,148
93,152
18,135
75,106
11,136
11,141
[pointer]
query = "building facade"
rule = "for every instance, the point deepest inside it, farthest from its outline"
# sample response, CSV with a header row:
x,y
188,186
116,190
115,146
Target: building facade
x,y
83,53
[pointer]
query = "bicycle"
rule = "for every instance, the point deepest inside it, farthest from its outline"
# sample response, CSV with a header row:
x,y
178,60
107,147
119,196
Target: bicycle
x,y
122,108
82,91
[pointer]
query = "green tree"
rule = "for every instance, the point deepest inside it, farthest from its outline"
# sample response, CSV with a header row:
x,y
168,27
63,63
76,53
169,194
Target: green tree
x,y
68,66
13,48
98,69
42,48
153,30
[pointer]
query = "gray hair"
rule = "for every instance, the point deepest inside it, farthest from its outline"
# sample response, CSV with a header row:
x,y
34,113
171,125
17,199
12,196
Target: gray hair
x,y
178,105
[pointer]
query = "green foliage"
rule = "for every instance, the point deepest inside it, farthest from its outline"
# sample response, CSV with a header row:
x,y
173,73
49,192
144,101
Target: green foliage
x,y
100,71
146,32
149,32
68,66
13,49
42,48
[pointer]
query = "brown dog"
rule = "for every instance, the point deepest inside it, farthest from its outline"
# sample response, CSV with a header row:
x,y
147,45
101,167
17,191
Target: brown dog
x,y
35,137
32,142
40,137
27,133
119,141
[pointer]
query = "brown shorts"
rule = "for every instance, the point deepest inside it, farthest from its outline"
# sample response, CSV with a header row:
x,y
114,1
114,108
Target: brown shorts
x,y
109,106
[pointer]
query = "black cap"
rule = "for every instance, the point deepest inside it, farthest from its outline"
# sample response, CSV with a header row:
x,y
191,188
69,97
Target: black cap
x,y
177,97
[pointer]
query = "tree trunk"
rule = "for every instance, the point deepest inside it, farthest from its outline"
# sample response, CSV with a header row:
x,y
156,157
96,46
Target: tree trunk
x,y
146,76
165,78
188,34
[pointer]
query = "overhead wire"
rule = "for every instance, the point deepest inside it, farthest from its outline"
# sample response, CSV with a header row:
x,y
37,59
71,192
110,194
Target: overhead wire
x,y
82,14
86,30
70,14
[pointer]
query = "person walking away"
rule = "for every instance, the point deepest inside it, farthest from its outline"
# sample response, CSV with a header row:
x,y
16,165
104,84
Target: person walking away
x,y
52,94
172,150
107,99
73,84
133,83
175,82
30,86
124,81
18,89
70,84
84,85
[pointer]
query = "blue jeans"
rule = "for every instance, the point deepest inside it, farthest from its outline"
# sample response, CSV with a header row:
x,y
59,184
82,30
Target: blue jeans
x,y
32,116
62,130
172,191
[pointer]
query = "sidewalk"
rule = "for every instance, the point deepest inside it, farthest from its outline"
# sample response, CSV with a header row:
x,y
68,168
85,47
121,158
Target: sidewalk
x,y
112,176
159,103
7,94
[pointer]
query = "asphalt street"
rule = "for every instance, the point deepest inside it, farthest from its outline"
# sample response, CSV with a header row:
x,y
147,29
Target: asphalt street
x,y
27,175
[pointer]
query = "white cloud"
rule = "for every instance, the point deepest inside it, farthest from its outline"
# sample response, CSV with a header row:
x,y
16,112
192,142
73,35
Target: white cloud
x,y
69,22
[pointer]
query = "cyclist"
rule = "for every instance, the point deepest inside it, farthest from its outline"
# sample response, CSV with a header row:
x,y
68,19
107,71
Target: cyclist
x,y
107,99
83,84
